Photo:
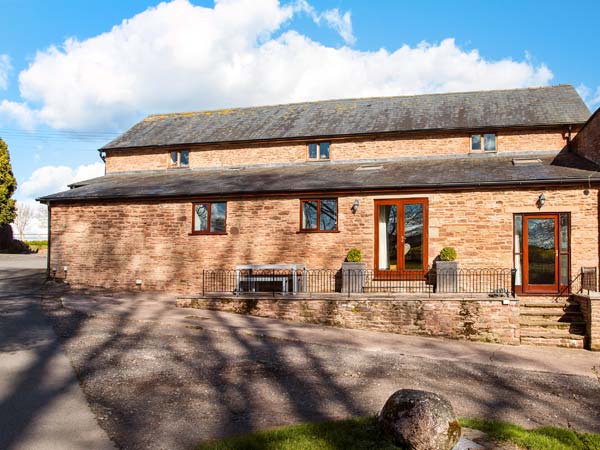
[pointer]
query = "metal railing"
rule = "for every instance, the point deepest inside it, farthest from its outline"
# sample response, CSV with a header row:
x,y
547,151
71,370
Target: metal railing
x,y
587,280
491,281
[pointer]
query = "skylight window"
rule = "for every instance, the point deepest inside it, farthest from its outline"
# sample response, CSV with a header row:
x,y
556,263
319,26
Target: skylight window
x,y
526,161
365,168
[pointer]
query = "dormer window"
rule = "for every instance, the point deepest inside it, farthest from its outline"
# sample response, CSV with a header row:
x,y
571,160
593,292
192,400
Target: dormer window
x,y
179,158
318,151
485,142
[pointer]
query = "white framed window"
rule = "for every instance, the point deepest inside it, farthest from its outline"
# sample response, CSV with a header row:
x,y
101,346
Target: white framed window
x,y
483,142
179,158
318,151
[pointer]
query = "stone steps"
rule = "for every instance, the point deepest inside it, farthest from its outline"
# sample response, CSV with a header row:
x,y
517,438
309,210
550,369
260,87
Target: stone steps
x,y
546,324
551,323
566,315
552,332
570,342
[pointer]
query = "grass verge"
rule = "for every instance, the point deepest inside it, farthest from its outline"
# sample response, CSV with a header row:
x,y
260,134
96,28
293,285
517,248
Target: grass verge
x,y
543,438
352,434
363,434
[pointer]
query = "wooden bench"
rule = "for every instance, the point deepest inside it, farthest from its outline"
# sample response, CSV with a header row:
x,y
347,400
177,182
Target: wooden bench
x,y
283,278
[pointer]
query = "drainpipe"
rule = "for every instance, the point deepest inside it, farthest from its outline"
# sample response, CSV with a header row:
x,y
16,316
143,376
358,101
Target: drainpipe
x,y
569,138
49,239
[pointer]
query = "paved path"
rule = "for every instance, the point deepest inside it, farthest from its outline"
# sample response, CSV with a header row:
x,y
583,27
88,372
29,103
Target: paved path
x,y
161,309
41,404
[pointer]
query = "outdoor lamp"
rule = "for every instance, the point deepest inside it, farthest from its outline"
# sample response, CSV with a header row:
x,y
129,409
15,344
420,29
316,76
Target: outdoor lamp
x,y
355,206
540,201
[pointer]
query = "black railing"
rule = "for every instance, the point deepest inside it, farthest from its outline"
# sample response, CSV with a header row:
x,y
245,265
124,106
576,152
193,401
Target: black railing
x,y
588,280
494,282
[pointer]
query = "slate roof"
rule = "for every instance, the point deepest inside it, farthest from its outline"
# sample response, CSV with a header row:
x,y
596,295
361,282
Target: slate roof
x,y
430,173
545,106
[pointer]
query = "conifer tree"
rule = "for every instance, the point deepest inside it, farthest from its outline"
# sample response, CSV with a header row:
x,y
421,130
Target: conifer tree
x,y
8,184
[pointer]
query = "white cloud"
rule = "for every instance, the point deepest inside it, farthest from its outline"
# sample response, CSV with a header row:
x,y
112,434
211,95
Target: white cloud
x,y
341,23
592,98
179,57
51,179
48,180
17,113
4,69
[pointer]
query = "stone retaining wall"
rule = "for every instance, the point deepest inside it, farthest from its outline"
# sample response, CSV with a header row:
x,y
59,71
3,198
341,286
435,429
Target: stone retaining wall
x,y
590,307
478,319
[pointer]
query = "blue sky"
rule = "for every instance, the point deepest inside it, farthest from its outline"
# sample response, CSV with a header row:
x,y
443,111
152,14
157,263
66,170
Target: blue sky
x,y
73,74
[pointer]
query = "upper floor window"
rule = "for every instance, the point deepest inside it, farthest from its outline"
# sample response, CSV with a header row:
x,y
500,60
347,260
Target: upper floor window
x,y
485,142
318,214
318,150
180,158
209,218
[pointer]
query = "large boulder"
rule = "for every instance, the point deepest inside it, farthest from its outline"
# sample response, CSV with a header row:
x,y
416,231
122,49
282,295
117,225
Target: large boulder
x,y
420,420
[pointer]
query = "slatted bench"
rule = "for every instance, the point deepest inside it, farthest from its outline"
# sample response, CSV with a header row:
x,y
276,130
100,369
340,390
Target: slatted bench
x,y
252,279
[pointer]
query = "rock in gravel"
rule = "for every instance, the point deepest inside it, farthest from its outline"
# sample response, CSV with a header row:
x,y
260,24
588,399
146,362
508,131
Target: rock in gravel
x,y
420,420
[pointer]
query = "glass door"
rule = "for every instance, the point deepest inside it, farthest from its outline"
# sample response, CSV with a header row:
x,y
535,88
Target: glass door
x,y
401,236
540,253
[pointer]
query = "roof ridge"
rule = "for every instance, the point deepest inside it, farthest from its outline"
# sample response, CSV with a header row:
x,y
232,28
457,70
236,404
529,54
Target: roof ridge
x,y
230,110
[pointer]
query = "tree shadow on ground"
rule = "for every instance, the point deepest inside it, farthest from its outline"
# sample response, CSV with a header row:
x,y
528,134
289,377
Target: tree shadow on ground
x,y
158,386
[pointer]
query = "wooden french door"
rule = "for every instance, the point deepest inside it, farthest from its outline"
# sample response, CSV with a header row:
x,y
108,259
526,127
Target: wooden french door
x,y
401,237
540,253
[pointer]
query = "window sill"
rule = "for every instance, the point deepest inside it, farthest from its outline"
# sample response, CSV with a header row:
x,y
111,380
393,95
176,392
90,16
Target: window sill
x,y
482,152
207,234
316,231
317,160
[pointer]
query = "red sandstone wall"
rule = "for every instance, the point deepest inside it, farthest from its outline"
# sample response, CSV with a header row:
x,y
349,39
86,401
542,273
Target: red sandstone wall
x,y
473,319
587,143
410,144
112,244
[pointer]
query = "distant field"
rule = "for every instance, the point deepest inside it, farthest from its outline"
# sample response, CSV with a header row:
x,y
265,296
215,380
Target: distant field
x,y
37,245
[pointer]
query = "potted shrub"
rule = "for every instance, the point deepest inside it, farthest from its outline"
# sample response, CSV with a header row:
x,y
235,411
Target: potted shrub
x,y
353,272
446,270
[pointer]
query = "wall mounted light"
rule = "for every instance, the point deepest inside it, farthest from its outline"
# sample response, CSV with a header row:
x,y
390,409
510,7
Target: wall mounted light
x,y
355,206
540,201
54,269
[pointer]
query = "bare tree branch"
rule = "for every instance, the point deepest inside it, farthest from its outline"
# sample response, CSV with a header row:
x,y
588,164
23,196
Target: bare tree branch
x,y
24,215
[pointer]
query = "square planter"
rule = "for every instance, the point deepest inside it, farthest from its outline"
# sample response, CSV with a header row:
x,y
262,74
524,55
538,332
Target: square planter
x,y
353,277
446,276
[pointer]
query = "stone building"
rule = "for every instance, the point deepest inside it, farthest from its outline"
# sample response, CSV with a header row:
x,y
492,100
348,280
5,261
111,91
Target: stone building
x,y
230,205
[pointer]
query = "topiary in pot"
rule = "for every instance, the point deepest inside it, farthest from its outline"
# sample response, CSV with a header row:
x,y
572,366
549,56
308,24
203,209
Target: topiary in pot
x,y
448,254
354,256
446,269
353,272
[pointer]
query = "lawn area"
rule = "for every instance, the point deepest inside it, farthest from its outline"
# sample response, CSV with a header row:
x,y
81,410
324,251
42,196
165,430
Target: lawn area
x,y
363,434
37,245
543,438
353,434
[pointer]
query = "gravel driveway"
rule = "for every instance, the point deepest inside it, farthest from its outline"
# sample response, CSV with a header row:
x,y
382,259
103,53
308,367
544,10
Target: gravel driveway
x,y
158,387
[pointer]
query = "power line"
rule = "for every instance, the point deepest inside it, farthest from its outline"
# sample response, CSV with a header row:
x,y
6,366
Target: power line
x,y
58,134
57,130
